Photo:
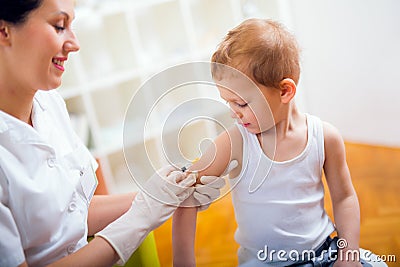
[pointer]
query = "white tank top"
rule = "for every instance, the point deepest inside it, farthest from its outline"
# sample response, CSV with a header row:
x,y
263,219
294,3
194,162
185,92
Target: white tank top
x,y
286,210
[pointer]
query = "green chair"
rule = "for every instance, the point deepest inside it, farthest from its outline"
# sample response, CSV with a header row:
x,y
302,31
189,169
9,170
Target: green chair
x,y
145,255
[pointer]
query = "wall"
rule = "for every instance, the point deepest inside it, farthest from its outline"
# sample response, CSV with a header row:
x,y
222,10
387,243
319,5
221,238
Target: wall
x,y
350,64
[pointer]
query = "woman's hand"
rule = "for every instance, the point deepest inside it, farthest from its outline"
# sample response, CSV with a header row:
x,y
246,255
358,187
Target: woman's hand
x,y
158,200
209,188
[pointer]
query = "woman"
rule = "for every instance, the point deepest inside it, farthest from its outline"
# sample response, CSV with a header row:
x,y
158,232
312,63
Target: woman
x,y
47,178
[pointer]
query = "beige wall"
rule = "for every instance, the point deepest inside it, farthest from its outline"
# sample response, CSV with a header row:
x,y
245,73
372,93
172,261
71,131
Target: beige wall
x,y
351,70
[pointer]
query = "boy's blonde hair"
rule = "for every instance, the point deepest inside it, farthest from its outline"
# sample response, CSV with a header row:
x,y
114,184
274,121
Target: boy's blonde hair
x,y
262,49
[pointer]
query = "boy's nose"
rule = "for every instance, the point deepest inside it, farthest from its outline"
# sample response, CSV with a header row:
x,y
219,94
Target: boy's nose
x,y
236,115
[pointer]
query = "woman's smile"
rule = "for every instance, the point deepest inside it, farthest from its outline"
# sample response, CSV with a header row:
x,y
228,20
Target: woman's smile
x,y
59,62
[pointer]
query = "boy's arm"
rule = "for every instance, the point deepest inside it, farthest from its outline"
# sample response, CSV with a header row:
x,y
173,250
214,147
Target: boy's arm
x,y
213,162
346,209
183,235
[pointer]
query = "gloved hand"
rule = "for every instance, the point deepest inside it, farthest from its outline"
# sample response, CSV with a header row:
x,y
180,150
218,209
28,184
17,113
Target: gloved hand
x,y
209,189
161,195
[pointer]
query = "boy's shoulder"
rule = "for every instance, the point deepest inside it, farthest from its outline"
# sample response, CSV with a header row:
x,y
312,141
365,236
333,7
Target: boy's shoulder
x,y
333,143
232,137
216,158
331,133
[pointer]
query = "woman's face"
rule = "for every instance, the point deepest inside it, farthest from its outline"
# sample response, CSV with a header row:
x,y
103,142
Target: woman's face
x,y
40,46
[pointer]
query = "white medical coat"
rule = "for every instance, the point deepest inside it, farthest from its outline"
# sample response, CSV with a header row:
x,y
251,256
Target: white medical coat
x,y
46,182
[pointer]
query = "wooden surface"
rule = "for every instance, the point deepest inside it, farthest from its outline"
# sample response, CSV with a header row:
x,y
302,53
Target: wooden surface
x,y
376,176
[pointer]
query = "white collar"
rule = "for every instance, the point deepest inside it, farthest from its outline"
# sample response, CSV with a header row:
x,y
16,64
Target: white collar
x,y
19,131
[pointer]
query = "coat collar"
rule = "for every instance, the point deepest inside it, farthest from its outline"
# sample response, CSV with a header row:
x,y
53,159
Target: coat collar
x,y
16,131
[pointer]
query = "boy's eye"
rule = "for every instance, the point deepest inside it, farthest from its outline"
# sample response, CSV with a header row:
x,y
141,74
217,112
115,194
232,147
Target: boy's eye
x,y
237,104
59,28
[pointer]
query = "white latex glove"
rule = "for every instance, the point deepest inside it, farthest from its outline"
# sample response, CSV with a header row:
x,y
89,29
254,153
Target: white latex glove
x,y
161,195
209,189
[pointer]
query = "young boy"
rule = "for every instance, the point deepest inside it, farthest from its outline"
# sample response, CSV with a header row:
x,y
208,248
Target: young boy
x,y
277,188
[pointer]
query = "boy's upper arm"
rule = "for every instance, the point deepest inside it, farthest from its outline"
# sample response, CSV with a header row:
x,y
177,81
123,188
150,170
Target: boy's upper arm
x,y
217,156
335,166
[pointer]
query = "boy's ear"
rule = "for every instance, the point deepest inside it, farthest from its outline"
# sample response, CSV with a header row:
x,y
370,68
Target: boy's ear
x,y
4,33
288,90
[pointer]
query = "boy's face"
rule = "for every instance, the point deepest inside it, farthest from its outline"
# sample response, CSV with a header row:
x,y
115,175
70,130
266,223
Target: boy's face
x,y
253,105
